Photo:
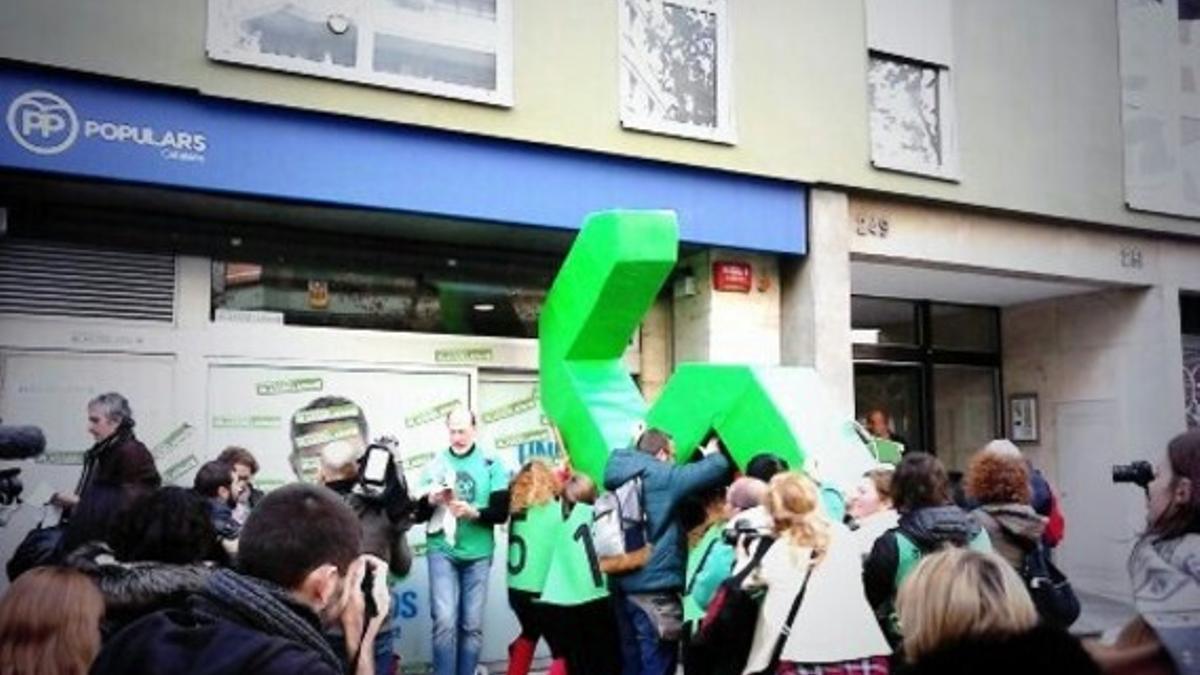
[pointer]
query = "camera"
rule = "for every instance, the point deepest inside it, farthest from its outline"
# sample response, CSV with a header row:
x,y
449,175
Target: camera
x,y
741,530
377,475
1140,473
10,486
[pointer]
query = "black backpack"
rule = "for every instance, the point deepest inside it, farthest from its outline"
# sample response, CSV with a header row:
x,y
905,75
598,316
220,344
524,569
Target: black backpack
x,y
723,637
1052,594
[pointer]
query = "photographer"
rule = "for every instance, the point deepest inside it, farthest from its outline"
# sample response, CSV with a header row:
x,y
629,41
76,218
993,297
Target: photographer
x,y
1164,568
299,570
382,511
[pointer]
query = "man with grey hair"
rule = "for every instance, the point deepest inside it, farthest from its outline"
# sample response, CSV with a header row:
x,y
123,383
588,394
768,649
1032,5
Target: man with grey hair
x,y
116,471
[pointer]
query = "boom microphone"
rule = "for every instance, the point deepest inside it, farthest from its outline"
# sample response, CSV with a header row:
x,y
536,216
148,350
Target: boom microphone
x,y
21,442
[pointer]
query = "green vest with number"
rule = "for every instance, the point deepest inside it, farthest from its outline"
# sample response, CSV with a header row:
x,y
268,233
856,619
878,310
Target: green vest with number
x,y
532,535
575,576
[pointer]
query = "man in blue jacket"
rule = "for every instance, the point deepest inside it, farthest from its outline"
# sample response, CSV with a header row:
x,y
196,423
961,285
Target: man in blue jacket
x,y
648,600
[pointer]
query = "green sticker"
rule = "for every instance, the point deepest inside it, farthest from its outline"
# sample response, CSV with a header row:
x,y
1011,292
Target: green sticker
x,y
435,413
337,412
521,437
246,421
415,462
180,468
511,410
323,436
295,386
466,355
173,441
61,458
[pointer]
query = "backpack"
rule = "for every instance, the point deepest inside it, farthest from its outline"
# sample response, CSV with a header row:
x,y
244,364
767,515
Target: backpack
x,y
908,554
1049,588
732,614
620,528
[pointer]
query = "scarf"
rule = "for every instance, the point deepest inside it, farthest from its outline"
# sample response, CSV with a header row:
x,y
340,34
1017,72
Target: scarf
x,y
1166,590
268,608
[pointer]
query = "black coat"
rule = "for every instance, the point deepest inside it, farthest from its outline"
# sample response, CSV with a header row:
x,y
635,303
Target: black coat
x,y
116,472
1041,651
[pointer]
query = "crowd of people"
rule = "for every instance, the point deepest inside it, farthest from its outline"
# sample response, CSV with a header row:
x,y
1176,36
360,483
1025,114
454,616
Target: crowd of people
x,y
666,565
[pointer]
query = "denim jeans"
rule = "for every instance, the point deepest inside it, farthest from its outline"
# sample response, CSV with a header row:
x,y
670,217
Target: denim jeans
x,y
384,649
642,652
457,590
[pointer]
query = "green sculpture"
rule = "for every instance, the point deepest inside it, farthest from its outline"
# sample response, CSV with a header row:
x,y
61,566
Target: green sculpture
x,y
612,274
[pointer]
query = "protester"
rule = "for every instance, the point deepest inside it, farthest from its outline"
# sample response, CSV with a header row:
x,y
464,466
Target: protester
x,y
870,507
968,612
533,534
580,620
999,484
465,497
164,549
215,482
245,468
928,522
50,623
384,520
1164,570
722,650
815,569
116,471
1041,495
648,602
299,569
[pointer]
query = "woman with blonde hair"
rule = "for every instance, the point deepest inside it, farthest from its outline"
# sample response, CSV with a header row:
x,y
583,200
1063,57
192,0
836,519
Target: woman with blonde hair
x,y
815,616
964,611
50,623
532,531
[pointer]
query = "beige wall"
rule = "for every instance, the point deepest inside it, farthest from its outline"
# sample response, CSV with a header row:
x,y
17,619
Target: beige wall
x,y
726,327
1037,91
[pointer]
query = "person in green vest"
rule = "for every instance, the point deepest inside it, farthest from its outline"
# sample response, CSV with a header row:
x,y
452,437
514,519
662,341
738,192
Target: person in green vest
x,y
533,526
929,521
580,613
464,495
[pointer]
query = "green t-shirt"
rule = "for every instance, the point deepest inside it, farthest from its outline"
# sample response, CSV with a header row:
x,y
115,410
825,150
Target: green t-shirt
x,y
702,552
575,576
532,535
474,478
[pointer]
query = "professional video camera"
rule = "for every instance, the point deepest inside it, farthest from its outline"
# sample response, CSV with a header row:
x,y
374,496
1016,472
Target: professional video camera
x,y
378,477
17,443
10,486
743,530
1140,473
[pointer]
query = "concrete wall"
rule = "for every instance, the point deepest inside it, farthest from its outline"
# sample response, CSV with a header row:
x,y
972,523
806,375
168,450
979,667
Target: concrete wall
x,y
727,327
1038,91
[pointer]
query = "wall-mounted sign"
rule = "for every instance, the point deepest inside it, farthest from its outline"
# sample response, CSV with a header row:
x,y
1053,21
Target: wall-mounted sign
x,y
466,355
872,226
732,277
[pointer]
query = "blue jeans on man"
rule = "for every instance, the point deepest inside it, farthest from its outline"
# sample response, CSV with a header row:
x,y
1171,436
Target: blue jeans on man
x,y
457,591
643,652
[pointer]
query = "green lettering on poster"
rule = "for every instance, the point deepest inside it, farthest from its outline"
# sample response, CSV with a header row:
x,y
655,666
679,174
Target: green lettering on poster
x,y
178,469
246,421
334,433
294,386
337,412
467,355
611,276
173,441
510,410
61,458
435,413
520,437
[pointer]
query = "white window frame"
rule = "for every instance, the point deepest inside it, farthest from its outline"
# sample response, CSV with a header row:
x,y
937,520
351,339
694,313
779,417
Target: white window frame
x,y
725,131
947,124
369,16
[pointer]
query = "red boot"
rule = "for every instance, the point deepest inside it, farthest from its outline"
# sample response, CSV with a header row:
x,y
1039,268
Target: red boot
x,y
558,667
520,656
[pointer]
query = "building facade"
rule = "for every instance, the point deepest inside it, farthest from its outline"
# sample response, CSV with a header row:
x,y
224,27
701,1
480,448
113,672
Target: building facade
x,y
981,217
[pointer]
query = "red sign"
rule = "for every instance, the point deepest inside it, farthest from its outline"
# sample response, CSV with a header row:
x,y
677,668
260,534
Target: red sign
x,y
732,277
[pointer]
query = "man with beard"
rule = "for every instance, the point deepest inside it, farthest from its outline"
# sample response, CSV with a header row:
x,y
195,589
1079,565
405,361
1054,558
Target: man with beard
x,y
299,571
219,485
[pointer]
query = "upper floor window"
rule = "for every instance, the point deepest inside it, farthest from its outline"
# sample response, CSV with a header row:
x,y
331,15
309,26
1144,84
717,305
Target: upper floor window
x,y
675,68
910,87
455,48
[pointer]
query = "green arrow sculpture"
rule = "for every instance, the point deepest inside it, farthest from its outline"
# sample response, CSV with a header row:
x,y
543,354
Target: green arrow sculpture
x,y
612,274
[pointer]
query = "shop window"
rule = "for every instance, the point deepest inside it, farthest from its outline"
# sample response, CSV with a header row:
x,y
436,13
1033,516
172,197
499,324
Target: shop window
x,y
1189,311
965,328
675,68
423,301
964,411
454,48
912,120
881,321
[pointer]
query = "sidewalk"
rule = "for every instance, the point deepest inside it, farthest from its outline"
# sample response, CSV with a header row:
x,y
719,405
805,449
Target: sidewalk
x,y
1099,613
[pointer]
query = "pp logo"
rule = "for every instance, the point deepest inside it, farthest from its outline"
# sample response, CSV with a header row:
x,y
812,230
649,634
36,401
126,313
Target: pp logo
x,y
42,122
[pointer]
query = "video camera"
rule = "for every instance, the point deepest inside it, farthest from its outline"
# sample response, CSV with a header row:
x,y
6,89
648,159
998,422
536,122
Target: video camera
x,y
10,486
741,530
1140,473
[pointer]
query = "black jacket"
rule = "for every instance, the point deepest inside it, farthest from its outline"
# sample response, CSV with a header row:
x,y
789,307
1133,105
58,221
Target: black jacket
x,y
929,528
116,471
133,590
210,638
1040,651
385,523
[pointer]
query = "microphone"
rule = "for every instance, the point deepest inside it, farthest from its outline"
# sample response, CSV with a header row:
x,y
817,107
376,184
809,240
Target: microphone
x,y
21,442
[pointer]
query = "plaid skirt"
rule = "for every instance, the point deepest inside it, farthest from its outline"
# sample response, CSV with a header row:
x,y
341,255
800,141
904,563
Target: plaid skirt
x,y
875,665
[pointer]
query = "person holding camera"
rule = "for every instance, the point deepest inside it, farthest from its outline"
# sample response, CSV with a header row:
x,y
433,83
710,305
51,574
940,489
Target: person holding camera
x,y
299,571
1164,568
382,505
